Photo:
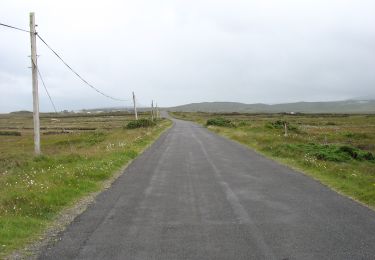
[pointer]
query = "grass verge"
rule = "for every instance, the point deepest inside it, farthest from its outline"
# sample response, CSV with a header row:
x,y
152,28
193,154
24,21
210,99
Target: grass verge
x,y
35,189
337,150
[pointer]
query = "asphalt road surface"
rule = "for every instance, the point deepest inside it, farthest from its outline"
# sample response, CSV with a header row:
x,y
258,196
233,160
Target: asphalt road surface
x,y
195,195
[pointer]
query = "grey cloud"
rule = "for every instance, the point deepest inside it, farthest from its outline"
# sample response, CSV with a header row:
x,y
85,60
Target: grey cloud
x,y
189,51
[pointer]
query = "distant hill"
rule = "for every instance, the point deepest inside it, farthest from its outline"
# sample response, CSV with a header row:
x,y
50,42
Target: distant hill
x,y
21,112
348,106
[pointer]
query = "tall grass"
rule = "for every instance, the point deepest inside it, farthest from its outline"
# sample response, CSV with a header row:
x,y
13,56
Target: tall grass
x,y
337,150
35,189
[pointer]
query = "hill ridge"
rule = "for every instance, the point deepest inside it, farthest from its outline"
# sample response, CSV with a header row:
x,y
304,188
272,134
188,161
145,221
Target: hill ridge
x,y
346,106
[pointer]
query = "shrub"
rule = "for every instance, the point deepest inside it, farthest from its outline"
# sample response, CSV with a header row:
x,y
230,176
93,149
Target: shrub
x,y
356,135
279,124
367,156
356,153
332,153
349,150
342,153
95,138
220,121
13,133
243,123
143,122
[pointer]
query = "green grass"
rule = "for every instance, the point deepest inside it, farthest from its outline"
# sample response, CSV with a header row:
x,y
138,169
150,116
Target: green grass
x,y
14,133
220,121
143,122
337,150
35,189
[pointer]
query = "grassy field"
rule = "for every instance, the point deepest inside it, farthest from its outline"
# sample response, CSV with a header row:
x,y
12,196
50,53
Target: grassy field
x,y
80,151
338,150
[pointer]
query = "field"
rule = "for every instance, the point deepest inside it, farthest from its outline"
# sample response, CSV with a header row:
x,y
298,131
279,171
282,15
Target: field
x,y
338,150
80,151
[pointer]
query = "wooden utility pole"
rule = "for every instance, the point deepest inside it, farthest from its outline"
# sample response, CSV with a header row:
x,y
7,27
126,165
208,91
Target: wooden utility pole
x,y
34,70
285,129
135,107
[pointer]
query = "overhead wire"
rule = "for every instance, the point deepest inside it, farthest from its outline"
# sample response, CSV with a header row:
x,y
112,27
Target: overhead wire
x,y
66,64
77,74
53,104
13,27
40,75
45,88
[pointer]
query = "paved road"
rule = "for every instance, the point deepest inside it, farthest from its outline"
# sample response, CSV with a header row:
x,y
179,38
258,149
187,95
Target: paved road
x,y
195,195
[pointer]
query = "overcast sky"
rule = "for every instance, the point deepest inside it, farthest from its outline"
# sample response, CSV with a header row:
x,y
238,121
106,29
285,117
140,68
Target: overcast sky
x,y
177,52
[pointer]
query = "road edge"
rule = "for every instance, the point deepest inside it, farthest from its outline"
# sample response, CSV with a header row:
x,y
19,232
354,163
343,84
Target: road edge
x,y
66,216
284,164
294,168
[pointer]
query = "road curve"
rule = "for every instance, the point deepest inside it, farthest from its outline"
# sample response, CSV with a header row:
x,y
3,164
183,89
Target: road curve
x,y
195,195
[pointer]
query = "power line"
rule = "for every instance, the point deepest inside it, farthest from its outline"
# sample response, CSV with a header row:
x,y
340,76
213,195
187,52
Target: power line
x,y
49,96
79,76
53,104
66,64
13,27
45,87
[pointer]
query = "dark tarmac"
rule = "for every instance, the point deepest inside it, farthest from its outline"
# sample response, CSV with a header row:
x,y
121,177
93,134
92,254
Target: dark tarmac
x,y
195,195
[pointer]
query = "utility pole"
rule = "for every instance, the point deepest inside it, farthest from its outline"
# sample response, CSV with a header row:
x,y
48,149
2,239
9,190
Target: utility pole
x,y
34,70
285,129
135,107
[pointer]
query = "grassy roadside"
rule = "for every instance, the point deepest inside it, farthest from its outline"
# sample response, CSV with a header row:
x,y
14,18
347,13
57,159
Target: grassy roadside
x,y
336,150
35,189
